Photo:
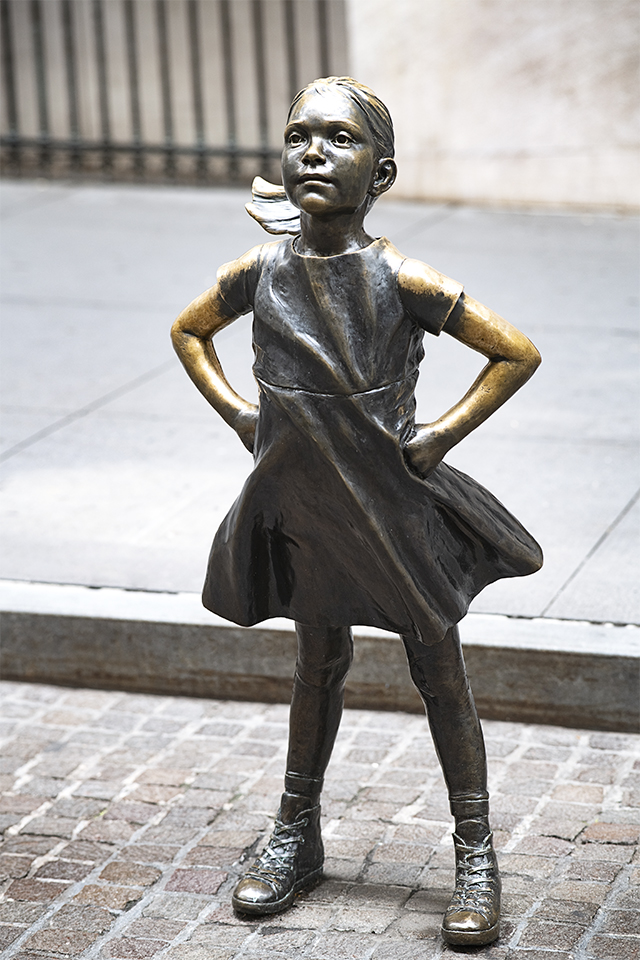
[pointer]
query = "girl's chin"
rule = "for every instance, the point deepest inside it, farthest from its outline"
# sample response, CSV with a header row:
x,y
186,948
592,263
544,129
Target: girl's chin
x,y
322,210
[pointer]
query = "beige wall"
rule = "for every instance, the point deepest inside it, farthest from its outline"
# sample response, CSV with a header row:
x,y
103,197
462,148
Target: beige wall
x,y
508,101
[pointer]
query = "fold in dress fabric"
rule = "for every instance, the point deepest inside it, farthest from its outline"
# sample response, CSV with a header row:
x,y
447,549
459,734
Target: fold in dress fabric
x,y
332,528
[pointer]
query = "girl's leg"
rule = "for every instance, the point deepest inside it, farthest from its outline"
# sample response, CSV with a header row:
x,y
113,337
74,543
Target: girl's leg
x,y
324,658
294,855
439,674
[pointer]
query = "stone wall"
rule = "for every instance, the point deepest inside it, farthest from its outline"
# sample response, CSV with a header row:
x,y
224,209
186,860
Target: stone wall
x,y
507,101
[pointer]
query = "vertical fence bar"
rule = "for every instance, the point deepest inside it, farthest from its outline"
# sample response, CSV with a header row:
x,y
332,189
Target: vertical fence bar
x,y
323,36
103,89
134,87
261,82
196,86
165,83
8,63
292,50
41,81
229,85
71,69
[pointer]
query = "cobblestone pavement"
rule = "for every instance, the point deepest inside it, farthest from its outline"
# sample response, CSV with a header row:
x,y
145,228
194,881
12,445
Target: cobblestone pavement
x,y
127,819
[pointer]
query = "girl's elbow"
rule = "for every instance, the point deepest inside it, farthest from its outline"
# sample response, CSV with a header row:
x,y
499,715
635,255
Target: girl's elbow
x,y
534,358
178,330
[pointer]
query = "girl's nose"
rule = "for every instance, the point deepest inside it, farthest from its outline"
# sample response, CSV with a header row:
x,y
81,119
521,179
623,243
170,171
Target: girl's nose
x,y
314,152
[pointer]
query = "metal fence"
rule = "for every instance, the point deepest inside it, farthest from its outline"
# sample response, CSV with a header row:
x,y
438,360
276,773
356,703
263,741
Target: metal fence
x,y
148,89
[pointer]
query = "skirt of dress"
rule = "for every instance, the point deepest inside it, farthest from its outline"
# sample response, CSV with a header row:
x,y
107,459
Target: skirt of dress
x,y
333,529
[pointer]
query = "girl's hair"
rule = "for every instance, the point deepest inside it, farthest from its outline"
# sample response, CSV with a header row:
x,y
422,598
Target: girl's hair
x,y
270,205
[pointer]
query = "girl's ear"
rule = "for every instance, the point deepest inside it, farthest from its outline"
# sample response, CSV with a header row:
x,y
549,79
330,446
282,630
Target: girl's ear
x,y
384,177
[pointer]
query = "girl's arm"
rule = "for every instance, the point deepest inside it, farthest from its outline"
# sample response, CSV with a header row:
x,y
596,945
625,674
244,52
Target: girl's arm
x,y
512,360
191,335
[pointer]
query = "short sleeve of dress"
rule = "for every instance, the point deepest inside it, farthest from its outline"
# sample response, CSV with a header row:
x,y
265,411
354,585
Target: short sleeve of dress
x,y
427,295
237,281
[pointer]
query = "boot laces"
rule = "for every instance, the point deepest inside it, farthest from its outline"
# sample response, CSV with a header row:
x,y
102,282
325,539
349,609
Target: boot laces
x,y
475,877
278,857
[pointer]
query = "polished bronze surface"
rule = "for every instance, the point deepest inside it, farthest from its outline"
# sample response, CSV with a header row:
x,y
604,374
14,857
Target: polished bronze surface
x,y
350,516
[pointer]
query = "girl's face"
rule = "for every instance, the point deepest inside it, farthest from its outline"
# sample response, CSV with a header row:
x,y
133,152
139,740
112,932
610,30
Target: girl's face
x,y
329,160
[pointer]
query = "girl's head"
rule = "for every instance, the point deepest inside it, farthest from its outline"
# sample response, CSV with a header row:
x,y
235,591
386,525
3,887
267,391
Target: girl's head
x,y
338,147
337,158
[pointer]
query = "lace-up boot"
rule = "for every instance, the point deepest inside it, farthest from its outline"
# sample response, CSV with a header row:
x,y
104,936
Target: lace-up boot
x,y
473,916
291,860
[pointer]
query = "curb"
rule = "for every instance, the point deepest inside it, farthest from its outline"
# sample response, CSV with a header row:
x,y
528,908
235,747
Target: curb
x,y
568,673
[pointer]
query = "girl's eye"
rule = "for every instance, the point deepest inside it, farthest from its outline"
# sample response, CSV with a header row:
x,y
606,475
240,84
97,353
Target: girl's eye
x,y
343,139
295,139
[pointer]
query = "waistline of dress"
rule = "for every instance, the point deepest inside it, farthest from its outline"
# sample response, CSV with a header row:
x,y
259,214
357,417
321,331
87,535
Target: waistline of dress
x,y
336,396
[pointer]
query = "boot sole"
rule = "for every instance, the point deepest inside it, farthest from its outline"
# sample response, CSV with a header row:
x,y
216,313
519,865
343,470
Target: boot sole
x,y
277,906
470,938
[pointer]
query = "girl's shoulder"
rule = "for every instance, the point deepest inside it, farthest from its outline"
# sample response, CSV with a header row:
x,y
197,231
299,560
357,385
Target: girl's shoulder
x,y
238,279
427,295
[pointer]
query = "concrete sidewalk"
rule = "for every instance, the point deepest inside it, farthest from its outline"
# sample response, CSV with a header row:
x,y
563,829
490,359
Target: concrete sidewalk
x,y
128,819
117,473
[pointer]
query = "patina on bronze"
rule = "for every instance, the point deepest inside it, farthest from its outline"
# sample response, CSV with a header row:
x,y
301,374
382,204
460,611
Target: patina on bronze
x,y
350,516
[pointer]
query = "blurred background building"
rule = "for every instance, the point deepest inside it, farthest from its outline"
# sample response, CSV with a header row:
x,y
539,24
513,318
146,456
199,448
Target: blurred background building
x,y
494,101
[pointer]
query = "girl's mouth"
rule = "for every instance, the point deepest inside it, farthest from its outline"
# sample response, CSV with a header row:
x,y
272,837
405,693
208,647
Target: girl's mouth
x,y
313,178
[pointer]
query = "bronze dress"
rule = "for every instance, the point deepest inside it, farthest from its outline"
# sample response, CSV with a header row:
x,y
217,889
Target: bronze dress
x,y
332,528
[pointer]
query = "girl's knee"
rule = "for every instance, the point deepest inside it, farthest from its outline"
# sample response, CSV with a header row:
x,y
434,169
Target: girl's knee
x,y
324,655
438,671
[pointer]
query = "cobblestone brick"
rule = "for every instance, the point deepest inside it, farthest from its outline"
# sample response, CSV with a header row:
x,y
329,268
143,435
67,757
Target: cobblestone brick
x,y
69,943
19,911
396,873
14,867
579,891
174,906
273,941
130,873
213,856
611,833
622,921
155,928
566,911
91,919
196,881
196,951
35,890
123,948
87,851
110,831
102,789
155,793
132,811
604,851
549,933
341,946
406,951
111,897
221,935
51,827
64,870
148,853
529,866
614,948
592,870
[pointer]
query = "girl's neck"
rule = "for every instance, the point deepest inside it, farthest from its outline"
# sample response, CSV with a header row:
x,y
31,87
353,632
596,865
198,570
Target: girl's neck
x,y
344,233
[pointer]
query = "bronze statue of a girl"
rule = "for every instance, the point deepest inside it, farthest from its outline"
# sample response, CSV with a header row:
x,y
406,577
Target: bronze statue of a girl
x,y
350,516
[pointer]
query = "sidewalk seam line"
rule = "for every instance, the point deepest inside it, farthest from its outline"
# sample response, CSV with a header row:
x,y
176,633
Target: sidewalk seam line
x,y
594,549
86,410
